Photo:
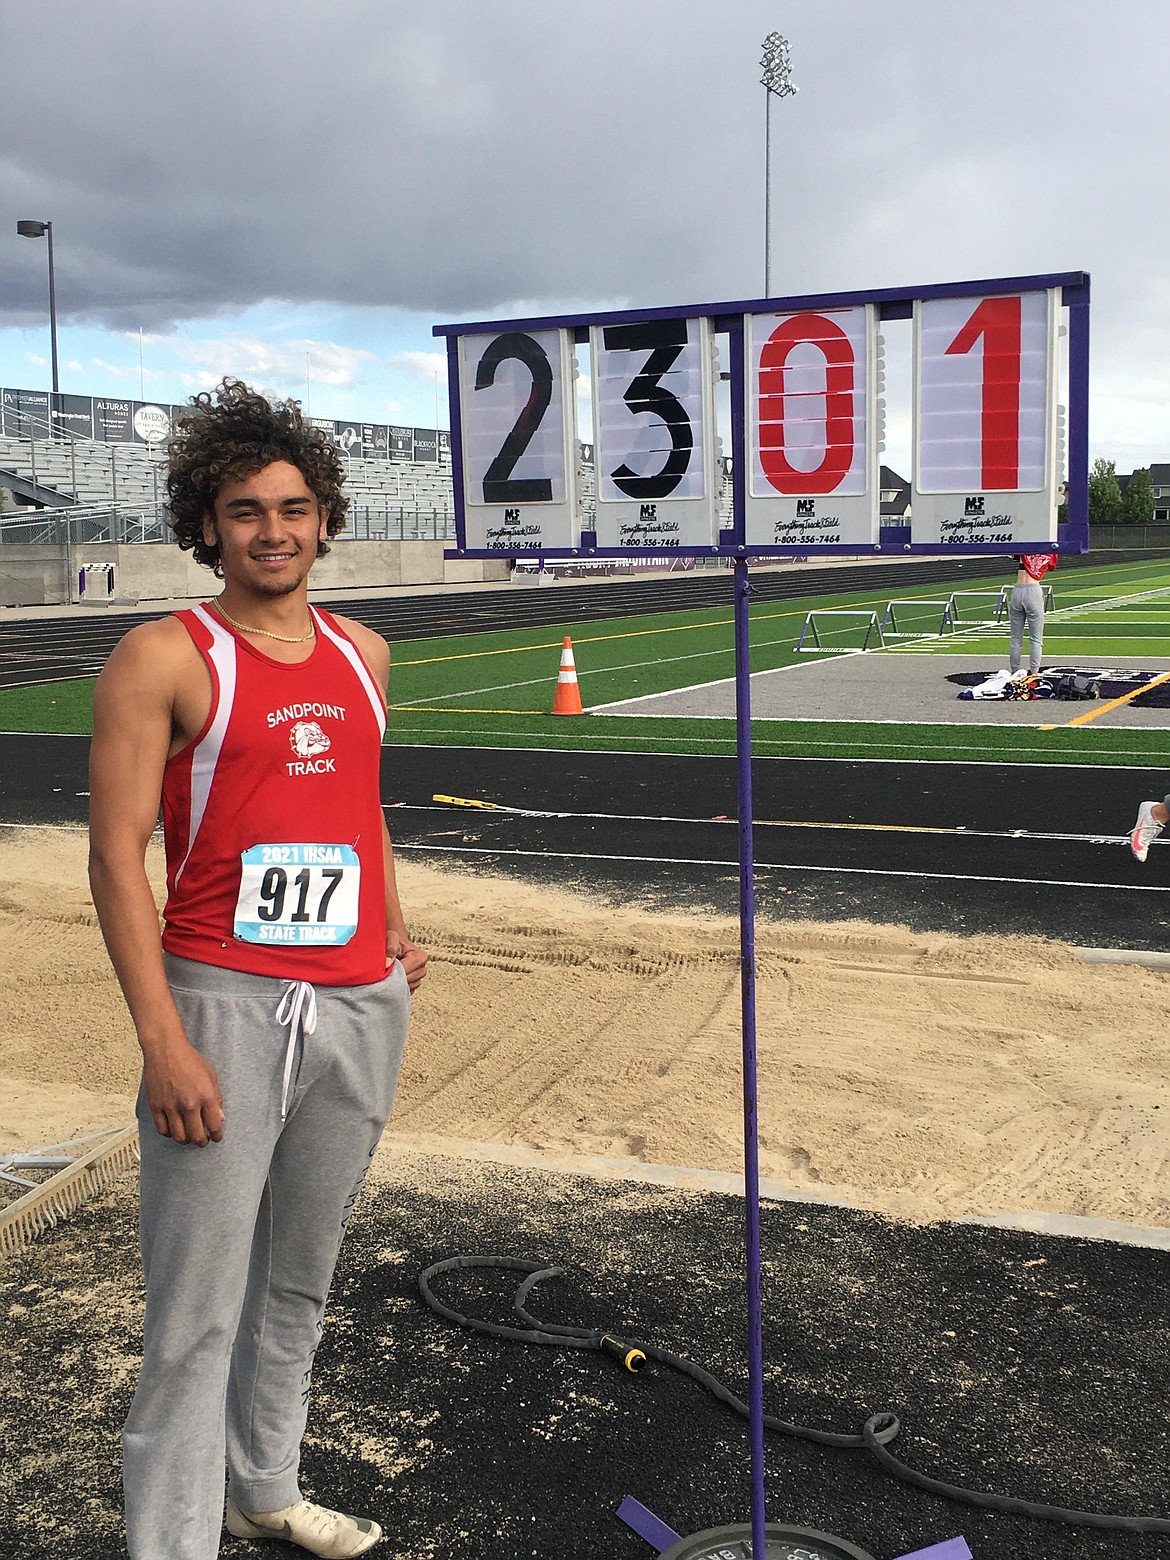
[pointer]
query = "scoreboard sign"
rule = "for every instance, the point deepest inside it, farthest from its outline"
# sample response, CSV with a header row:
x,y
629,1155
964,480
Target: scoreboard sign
x,y
987,464
807,393
813,428
654,404
518,416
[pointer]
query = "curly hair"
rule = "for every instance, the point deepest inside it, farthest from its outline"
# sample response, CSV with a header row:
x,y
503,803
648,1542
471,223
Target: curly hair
x,y
231,433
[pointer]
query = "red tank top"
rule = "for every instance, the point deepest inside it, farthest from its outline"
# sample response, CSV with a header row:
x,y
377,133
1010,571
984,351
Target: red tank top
x,y
1037,565
272,816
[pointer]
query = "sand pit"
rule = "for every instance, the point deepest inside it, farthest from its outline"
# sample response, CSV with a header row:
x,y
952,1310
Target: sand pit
x,y
934,1076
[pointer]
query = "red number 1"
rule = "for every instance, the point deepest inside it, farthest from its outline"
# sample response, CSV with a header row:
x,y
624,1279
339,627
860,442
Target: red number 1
x,y
997,321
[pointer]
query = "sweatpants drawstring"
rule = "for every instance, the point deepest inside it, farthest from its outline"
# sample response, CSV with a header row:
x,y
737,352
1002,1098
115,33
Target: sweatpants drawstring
x,y
298,1009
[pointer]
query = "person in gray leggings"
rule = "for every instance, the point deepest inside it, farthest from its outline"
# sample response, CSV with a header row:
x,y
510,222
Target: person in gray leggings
x,y
1026,609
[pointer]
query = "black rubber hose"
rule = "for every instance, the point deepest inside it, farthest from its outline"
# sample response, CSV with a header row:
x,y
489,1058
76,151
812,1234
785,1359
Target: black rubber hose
x,y
876,1434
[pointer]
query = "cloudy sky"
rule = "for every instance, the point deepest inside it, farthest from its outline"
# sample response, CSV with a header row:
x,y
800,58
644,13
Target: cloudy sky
x,y
296,190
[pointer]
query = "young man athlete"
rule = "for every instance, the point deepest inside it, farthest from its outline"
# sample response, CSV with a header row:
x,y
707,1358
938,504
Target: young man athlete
x,y
272,1009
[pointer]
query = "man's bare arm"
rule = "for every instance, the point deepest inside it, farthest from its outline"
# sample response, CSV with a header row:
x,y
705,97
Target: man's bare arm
x,y
133,726
376,654
398,941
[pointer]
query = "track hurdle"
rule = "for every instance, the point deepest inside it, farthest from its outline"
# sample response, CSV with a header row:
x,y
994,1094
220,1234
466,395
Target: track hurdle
x,y
890,629
872,626
1001,597
964,598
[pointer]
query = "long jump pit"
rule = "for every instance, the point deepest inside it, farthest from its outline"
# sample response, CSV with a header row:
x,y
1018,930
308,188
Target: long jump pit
x,y
964,1147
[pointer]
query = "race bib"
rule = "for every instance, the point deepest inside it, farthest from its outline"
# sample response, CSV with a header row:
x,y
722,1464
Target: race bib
x,y
298,894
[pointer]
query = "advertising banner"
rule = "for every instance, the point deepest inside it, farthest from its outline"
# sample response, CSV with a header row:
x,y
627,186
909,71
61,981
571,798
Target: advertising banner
x,y
151,424
374,441
348,437
25,414
74,414
113,421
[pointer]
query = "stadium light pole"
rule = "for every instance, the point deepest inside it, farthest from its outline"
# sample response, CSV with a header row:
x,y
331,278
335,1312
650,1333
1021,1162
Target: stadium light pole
x,y
29,229
777,81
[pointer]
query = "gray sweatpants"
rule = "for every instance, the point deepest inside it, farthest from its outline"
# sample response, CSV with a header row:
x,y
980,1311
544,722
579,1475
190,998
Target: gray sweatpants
x,y
239,1241
1026,606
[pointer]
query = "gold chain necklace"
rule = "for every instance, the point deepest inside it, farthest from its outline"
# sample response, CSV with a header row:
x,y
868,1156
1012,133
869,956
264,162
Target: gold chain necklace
x,y
285,639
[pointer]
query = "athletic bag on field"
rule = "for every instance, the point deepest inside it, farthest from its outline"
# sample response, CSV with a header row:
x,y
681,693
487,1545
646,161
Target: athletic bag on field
x,y
1077,685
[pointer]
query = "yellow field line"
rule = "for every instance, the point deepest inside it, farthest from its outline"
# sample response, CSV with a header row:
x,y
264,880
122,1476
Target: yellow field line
x,y
600,639
1112,704
457,709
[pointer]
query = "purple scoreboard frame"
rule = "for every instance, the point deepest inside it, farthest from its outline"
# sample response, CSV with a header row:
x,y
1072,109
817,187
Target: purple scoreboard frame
x,y
1073,536
892,303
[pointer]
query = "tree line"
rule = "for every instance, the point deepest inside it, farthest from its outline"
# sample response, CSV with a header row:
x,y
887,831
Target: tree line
x,y
1109,505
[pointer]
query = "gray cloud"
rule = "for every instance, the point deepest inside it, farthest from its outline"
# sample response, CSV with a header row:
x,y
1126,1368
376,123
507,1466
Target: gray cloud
x,y
459,156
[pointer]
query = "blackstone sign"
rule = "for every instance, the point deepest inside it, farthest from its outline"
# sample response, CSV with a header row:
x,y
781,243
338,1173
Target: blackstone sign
x,y
26,414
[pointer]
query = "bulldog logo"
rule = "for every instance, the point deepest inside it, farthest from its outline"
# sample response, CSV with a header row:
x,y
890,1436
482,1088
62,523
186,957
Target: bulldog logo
x,y
307,739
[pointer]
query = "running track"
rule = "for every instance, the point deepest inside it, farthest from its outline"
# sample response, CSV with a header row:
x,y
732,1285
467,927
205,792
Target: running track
x,y
1029,850
958,847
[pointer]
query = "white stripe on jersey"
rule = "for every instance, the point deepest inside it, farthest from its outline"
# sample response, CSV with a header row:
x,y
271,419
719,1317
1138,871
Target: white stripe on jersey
x,y
361,669
206,756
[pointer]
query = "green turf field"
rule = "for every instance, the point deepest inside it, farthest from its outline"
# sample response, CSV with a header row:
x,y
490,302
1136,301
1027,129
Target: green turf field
x,y
496,689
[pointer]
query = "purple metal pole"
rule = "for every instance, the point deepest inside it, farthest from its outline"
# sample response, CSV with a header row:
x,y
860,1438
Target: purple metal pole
x,y
747,963
1078,416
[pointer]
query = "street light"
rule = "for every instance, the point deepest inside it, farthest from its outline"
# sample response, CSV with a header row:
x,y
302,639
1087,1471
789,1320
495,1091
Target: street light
x,y
45,230
777,78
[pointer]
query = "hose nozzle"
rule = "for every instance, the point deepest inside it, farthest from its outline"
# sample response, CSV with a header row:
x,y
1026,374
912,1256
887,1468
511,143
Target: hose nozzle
x,y
627,1354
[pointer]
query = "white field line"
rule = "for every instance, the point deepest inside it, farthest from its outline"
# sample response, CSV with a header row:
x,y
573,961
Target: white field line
x,y
996,630
726,745
730,863
954,830
839,720
548,680
627,666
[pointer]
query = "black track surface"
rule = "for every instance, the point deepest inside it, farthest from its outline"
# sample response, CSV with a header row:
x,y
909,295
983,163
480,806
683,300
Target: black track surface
x,y
653,834
1021,1364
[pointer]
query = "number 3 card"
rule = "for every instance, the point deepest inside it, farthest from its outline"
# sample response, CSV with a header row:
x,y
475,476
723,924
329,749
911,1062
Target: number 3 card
x,y
654,412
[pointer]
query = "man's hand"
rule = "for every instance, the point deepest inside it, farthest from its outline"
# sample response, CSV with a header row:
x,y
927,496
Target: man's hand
x,y
412,958
183,1094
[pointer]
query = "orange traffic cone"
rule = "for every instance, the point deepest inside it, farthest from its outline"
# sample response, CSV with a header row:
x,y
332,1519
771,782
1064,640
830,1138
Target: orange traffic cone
x,y
568,695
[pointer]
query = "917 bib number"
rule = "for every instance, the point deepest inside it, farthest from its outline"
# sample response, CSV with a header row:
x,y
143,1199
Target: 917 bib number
x,y
305,895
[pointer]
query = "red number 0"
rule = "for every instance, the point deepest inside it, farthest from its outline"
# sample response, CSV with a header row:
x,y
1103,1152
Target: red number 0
x,y
997,321
839,365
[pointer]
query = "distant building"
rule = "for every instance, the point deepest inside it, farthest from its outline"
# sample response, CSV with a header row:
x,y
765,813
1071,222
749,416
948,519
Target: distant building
x,y
896,497
1160,482
1160,478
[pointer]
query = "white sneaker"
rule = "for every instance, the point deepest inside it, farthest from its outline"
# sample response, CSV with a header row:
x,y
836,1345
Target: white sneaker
x,y
331,1534
1145,831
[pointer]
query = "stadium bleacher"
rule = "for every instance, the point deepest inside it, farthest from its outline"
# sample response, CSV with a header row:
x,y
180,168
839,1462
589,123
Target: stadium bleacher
x,y
47,476
52,475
